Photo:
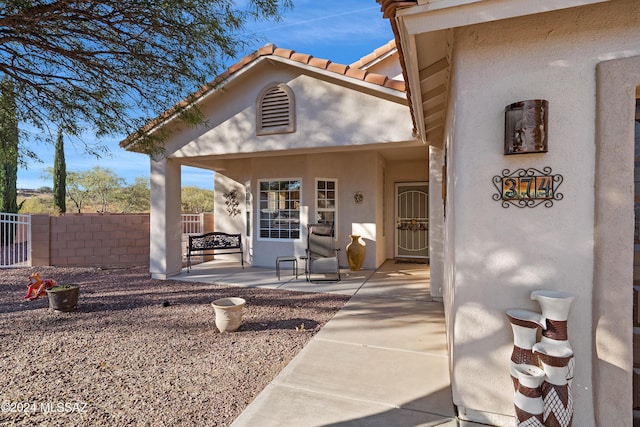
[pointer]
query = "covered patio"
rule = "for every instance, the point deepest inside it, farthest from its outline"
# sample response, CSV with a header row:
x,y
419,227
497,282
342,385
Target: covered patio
x,y
394,278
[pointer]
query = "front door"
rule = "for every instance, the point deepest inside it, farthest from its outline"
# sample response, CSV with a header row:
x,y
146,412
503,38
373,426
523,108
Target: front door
x,y
412,220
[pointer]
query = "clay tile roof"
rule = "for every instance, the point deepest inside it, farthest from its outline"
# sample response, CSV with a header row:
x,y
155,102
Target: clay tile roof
x,y
319,63
356,73
395,84
338,68
284,53
378,53
301,57
378,79
324,64
389,7
267,49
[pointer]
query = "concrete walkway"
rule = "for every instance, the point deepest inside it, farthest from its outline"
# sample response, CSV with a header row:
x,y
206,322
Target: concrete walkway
x,y
381,361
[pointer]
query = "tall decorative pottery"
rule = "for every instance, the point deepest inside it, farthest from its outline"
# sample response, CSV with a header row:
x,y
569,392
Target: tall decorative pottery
x,y
228,313
528,397
556,392
555,307
525,325
355,253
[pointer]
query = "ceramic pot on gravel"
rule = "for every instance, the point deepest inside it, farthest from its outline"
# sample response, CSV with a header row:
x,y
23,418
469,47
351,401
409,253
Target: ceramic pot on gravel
x,y
228,313
63,297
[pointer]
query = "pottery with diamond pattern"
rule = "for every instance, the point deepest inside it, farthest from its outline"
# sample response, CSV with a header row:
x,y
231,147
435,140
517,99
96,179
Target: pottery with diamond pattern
x,y
555,307
528,396
556,391
525,325
552,353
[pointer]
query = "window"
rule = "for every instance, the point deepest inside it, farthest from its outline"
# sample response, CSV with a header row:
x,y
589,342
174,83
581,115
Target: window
x,y
275,110
280,209
326,201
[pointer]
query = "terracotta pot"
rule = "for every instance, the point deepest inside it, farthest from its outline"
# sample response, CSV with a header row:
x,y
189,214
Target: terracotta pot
x,y
228,312
355,253
63,297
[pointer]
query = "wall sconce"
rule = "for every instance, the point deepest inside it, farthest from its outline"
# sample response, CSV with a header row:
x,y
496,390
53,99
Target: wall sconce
x,y
525,127
358,197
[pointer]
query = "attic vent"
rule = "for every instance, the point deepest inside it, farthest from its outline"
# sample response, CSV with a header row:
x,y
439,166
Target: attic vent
x,y
275,110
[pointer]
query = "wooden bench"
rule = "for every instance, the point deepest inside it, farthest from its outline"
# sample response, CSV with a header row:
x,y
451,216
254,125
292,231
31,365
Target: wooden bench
x,y
213,243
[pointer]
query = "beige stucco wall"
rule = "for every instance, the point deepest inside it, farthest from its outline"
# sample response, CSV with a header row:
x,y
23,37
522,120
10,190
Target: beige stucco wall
x,y
496,256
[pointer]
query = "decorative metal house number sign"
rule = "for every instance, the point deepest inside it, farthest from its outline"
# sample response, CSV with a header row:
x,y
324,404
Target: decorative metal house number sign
x,y
527,188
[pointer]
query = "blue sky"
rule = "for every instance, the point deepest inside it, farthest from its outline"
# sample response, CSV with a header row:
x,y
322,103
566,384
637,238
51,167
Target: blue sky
x,y
340,30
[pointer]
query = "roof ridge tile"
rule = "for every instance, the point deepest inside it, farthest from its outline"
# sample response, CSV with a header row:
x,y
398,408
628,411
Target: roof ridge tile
x,y
319,63
301,57
379,79
378,53
356,73
337,68
283,53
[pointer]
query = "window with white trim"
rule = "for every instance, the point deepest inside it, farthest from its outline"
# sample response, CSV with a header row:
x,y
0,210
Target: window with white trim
x,y
275,110
279,209
326,201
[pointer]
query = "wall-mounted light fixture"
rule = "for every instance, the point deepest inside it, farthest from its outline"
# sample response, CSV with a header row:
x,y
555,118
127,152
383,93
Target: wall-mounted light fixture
x,y
525,127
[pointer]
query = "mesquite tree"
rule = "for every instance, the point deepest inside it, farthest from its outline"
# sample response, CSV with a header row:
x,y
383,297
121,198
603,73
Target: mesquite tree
x,y
108,66
60,176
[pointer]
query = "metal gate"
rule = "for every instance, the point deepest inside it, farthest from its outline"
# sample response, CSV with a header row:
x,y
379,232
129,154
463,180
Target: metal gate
x,y
412,220
15,240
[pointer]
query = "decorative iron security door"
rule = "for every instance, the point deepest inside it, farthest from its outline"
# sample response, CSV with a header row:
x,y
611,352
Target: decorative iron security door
x,y
412,220
527,188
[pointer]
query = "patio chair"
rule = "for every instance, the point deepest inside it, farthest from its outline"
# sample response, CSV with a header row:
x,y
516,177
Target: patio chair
x,y
321,258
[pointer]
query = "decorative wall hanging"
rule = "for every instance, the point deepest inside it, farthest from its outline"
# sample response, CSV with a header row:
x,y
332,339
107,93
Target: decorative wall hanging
x,y
525,127
527,188
358,197
231,200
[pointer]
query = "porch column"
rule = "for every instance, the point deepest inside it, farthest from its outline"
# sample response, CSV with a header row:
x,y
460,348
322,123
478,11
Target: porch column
x,y
165,252
436,221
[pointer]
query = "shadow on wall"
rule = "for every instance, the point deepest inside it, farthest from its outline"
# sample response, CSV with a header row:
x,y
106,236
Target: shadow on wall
x,y
495,279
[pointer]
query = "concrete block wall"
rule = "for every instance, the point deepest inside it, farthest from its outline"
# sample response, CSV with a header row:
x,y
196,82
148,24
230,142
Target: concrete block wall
x,y
90,240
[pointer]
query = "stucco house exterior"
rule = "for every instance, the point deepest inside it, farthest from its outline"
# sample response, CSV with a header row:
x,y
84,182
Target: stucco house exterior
x,y
466,62
297,140
344,143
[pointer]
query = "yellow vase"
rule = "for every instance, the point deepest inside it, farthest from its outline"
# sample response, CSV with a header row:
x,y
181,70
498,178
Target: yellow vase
x,y
355,253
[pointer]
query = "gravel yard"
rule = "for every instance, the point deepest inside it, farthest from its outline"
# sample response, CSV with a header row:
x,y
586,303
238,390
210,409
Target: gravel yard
x,y
143,352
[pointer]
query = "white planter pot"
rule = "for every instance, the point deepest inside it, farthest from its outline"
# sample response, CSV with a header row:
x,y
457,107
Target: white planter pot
x,y
228,312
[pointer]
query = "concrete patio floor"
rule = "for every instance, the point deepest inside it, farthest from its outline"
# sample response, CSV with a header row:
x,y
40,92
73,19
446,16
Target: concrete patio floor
x,y
381,361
